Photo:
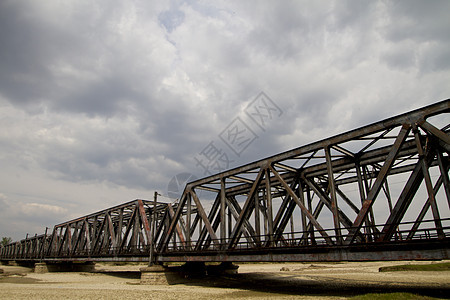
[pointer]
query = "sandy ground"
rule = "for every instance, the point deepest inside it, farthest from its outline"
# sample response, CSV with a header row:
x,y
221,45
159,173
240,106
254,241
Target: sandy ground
x,y
262,281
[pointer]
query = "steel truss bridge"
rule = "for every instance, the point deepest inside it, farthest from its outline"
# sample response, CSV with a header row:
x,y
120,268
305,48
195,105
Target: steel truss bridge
x,y
380,192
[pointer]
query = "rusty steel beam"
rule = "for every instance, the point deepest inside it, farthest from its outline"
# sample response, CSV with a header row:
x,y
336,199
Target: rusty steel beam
x,y
324,169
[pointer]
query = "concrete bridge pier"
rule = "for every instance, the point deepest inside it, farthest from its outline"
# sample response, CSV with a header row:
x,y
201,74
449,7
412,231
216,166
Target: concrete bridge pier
x,y
64,267
159,274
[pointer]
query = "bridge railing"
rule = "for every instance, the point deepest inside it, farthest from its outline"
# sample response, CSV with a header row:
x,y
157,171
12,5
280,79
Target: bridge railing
x,y
305,239
33,248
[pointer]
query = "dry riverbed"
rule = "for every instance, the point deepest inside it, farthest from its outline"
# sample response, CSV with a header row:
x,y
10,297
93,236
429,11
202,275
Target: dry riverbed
x,y
262,281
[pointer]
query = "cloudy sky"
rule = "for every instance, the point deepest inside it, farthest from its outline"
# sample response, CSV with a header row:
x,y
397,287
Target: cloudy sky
x,y
102,102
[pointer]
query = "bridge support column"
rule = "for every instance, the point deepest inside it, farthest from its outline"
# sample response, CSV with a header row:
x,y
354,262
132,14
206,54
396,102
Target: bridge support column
x,y
159,275
64,267
41,268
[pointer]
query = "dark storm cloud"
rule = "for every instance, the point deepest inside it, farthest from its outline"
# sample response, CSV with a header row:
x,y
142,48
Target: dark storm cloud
x,y
423,24
66,61
23,72
348,13
421,20
105,98
171,19
33,45
282,32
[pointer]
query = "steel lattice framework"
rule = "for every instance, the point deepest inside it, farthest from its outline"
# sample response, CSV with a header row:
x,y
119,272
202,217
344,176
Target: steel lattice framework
x,y
378,192
120,231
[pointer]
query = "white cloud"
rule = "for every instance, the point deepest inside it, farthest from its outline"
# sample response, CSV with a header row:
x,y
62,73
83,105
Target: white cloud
x,y
33,209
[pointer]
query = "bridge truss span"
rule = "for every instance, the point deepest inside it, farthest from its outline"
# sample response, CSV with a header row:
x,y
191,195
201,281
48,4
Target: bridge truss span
x,y
393,173
380,192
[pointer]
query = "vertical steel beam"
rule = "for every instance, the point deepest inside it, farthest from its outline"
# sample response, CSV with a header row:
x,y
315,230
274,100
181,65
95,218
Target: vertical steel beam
x,y
188,222
119,231
302,213
257,218
362,196
229,221
429,184
332,190
269,207
223,233
443,167
88,236
370,219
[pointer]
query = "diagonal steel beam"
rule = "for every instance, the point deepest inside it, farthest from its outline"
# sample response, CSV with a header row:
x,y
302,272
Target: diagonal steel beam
x,y
144,221
111,230
311,218
443,167
246,210
424,210
342,217
178,228
235,210
205,219
203,230
435,131
174,221
373,193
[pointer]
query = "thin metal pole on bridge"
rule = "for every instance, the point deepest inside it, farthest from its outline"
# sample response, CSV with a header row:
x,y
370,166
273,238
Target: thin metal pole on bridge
x,y
43,244
152,232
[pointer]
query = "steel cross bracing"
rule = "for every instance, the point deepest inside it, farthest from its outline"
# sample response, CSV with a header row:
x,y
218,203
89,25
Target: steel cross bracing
x,y
120,231
393,173
378,192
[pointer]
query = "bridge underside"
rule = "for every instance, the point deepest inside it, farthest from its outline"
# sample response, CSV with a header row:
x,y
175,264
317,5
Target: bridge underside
x,y
417,250
437,250
380,192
